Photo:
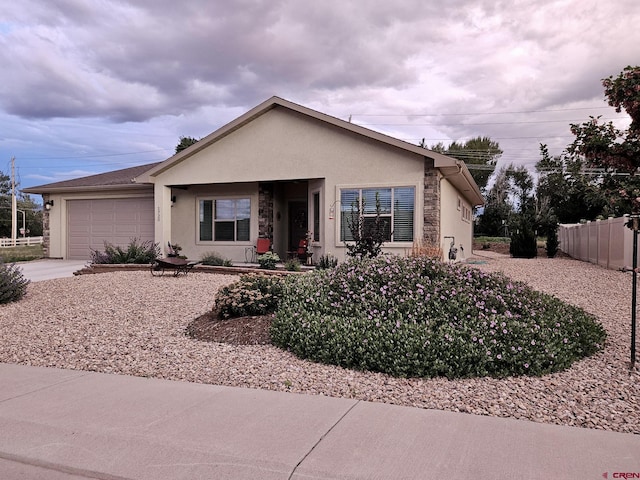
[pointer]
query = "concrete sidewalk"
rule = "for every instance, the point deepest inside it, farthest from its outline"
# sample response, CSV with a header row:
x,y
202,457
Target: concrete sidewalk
x,y
63,424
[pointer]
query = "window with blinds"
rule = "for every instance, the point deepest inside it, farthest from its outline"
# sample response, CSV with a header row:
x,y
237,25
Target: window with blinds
x,y
396,206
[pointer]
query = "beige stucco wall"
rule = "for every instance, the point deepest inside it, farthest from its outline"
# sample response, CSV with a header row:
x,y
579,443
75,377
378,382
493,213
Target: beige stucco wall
x,y
185,218
283,145
452,206
58,213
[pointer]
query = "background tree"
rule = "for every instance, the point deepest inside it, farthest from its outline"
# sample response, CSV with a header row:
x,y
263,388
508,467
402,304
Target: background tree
x,y
33,211
5,205
523,223
498,208
615,151
564,193
33,215
186,142
481,155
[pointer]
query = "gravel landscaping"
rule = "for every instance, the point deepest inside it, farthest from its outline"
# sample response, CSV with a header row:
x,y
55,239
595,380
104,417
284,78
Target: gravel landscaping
x,y
132,323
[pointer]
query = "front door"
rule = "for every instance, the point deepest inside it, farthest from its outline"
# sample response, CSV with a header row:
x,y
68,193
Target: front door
x,y
298,223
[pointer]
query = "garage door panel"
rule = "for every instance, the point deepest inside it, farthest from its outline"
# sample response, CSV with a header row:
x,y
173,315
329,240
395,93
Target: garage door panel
x,y
147,231
127,230
127,216
103,217
91,223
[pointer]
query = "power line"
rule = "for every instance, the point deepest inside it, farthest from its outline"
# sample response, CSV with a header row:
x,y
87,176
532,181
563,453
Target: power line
x,y
95,156
439,124
476,113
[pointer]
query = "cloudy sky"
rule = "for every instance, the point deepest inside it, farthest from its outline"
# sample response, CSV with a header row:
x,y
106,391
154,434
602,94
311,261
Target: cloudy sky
x,y
93,85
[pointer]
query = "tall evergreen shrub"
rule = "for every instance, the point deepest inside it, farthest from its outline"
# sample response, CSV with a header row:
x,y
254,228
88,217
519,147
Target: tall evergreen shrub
x,y
523,238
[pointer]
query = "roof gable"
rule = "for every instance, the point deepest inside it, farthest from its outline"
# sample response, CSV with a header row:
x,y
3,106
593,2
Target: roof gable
x,y
455,170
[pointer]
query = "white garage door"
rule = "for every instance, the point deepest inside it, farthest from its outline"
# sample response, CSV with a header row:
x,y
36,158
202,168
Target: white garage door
x,y
117,221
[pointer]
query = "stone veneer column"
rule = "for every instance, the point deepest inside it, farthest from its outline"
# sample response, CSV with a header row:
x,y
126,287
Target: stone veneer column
x,y
265,210
431,228
46,232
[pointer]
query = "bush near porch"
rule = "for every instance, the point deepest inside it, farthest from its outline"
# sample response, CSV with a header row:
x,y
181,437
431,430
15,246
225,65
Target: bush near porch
x,y
417,317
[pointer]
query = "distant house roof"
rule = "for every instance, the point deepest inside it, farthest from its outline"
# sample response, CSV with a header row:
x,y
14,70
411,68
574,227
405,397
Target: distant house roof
x,y
109,180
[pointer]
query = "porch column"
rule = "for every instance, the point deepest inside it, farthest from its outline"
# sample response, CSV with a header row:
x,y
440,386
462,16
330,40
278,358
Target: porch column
x,y
265,210
162,213
432,207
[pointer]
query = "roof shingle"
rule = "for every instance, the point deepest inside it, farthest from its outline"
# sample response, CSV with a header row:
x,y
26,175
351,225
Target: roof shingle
x,y
114,178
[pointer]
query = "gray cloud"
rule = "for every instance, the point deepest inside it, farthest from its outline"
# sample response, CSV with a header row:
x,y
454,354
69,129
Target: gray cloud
x,y
145,61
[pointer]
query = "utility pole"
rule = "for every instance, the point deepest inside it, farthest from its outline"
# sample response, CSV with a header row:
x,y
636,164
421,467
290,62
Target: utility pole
x,y
14,204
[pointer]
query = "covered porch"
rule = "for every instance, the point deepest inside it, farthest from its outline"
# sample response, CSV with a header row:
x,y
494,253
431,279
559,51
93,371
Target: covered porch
x,y
230,218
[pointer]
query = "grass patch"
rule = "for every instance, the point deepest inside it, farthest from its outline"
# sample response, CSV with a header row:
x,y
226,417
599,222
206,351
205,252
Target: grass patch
x,y
419,317
492,239
21,253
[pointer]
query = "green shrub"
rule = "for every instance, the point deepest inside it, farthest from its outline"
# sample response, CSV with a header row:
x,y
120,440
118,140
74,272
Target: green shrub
x,y
251,295
327,261
145,252
268,260
216,260
552,241
419,317
13,285
523,239
293,265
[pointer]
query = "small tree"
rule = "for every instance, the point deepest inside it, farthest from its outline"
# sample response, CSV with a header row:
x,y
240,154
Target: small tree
x,y
523,237
498,207
368,233
552,240
523,222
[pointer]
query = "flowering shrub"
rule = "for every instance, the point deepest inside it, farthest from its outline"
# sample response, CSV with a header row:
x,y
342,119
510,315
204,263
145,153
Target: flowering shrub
x,y
251,295
420,317
13,285
268,260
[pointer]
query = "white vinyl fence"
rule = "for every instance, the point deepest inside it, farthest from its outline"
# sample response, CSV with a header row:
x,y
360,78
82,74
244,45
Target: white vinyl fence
x,y
607,243
20,241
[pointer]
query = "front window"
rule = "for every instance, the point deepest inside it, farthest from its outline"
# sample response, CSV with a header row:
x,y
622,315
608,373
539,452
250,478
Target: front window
x,y
225,220
316,216
395,206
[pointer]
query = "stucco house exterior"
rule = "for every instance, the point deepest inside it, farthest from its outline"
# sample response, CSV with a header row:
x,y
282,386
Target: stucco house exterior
x,y
280,171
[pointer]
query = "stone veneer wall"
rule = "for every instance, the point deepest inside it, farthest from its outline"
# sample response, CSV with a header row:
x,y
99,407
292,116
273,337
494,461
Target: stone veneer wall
x,y
265,210
46,232
431,229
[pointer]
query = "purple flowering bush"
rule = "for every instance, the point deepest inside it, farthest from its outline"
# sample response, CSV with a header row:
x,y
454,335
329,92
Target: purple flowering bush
x,y
250,295
419,317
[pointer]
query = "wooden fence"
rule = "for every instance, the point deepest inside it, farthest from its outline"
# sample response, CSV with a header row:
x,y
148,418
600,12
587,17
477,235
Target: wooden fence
x,y
20,241
607,243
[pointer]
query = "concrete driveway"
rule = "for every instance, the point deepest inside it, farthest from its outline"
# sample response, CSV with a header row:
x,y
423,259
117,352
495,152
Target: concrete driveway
x,y
48,269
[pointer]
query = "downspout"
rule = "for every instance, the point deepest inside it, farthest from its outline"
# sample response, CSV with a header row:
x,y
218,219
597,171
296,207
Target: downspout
x,y
453,251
